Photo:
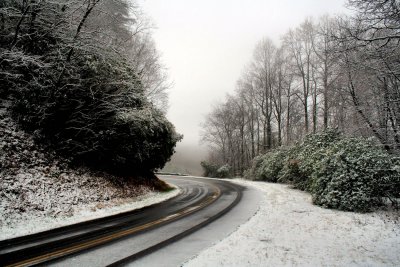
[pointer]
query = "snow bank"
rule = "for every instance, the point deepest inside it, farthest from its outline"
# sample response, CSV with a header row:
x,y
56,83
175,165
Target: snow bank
x,y
84,213
288,230
39,191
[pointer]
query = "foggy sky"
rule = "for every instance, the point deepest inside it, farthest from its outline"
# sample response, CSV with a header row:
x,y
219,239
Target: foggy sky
x,y
206,44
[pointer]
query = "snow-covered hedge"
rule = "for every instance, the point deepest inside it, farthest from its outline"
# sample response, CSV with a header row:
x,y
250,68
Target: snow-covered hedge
x,y
302,158
111,125
209,169
216,171
224,171
353,174
340,172
268,166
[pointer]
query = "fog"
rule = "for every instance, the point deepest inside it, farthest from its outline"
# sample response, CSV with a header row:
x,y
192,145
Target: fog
x,y
187,159
206,44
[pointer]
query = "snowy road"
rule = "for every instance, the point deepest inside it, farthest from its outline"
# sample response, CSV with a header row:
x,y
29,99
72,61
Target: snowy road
x,y
272,225
124,238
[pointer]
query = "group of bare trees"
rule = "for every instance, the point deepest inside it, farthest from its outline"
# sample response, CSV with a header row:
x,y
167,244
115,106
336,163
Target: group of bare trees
x,y
334,72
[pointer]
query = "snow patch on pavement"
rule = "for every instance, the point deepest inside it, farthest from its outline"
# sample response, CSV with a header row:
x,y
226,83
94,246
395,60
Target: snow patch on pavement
x,y
288,230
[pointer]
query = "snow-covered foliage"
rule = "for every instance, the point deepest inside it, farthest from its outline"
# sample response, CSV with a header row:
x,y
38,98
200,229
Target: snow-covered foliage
x,y
340,172
76,99
69,73
353,174
35,183
267,167
216,171
303,156
209,169
224,171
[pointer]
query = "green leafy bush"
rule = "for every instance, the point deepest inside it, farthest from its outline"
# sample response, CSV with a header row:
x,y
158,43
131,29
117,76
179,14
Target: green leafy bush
x,y
224,171
267,167
111,125
216,171
82,98
255,171
303,157
354,175
392,187
210,170
342,173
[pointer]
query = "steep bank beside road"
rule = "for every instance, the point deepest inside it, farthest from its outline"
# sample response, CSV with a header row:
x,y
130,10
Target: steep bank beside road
x,y
288,230
39,191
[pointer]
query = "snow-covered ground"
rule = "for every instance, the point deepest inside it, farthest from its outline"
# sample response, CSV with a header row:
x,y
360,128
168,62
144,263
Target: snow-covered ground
x,y
84,213
288,230
41,191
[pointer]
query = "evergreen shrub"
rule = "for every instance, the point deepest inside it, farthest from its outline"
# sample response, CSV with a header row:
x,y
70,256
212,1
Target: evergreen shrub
x,y
351,174
354,175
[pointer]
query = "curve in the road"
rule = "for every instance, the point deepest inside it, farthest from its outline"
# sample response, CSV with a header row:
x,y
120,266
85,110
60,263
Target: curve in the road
x,y
183,233
49,245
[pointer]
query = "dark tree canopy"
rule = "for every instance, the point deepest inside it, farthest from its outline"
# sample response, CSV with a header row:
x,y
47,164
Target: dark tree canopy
x,y
66,67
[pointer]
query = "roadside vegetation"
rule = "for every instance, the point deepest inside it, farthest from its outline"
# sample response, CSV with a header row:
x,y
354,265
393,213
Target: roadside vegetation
x,y
84,78
213,170
344,173
335,72
82,108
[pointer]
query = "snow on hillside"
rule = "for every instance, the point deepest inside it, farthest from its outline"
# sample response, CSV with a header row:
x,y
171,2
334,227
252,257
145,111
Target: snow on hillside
x,y
38,191
288,230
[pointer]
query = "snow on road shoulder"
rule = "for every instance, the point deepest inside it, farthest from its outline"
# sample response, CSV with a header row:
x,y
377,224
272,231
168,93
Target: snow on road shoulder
x,y
86,212
40,190
288,230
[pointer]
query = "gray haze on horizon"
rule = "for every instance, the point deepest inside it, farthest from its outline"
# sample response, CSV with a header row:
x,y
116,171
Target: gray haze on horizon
x,y
206,45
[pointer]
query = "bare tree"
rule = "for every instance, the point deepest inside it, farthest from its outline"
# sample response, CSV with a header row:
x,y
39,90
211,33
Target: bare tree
x,y
264,74
340,72
368,43
299,43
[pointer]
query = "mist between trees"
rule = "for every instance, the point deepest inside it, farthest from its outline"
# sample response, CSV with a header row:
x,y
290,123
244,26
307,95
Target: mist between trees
x,y
331,72
84,77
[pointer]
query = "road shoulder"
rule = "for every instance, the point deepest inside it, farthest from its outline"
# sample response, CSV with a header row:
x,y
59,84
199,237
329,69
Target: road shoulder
x,y
288,230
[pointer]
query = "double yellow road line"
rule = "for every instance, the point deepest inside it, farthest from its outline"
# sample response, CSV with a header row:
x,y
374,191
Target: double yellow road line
x,y
102,240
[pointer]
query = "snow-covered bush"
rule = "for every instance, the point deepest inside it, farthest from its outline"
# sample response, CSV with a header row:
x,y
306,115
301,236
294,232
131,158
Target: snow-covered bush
x,y
84,99
255,171
354,175
111,126
303,157
267,167
215,170
392,188
141,140
340,172
224,171
209,169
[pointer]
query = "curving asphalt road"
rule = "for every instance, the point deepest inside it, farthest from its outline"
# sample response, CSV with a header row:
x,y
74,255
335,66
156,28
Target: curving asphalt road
x,y
127,238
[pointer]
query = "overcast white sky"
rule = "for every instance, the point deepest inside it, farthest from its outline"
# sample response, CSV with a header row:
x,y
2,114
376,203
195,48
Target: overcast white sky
x,y
206,44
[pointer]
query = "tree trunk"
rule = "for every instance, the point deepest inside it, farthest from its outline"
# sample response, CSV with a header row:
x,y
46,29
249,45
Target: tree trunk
x,y
26,8
356,104
326,107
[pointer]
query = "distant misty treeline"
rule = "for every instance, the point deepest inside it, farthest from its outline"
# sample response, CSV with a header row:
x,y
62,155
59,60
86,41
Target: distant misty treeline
x,y
333,72
85,78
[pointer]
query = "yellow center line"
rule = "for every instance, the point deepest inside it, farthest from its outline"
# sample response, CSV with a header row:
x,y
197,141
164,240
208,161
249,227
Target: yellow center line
x,y
105,239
